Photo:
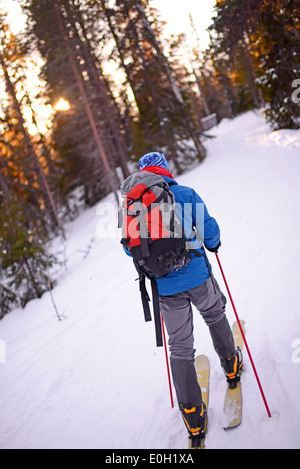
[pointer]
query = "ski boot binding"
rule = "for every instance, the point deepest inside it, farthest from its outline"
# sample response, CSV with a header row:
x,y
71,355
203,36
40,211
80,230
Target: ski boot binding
x,y
195,419
232,368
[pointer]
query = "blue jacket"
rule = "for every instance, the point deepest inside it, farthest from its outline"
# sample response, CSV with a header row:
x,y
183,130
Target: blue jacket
x,y
193,214
196,272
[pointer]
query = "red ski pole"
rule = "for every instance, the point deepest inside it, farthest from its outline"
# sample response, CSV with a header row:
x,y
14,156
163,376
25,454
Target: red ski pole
x,y
167,361
244,338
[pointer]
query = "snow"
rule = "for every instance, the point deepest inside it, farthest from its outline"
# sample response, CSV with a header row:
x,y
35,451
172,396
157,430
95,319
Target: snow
x,y
96,379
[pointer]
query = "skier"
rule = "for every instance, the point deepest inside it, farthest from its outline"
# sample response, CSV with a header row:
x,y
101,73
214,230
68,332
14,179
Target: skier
x,y
193,284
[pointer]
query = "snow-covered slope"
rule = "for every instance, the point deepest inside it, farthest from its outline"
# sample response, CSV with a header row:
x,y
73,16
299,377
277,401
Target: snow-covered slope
x,y
96,379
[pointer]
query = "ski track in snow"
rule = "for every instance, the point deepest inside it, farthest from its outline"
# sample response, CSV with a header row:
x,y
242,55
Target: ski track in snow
x,y
96,380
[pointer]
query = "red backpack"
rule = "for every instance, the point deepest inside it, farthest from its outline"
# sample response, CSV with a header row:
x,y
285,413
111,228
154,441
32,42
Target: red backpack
x,y
152,233
151,229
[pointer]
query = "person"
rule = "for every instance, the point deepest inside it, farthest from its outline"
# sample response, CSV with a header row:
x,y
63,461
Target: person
x,y
193,284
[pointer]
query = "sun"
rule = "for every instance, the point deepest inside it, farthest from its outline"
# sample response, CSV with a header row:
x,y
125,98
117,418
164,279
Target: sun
x,y
61,105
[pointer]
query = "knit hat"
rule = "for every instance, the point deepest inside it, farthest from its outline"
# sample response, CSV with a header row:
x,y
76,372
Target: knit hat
x,y
153,159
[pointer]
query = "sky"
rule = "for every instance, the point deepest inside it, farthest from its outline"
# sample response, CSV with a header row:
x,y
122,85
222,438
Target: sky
x,y
15,17
175,12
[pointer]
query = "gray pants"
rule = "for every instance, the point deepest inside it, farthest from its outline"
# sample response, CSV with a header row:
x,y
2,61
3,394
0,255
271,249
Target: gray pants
x,y
178,318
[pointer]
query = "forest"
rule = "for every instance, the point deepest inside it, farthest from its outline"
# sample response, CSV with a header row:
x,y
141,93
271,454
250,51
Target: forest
x,y
91,85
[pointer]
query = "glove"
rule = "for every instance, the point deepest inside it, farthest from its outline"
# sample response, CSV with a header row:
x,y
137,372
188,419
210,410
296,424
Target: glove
x,y
214,249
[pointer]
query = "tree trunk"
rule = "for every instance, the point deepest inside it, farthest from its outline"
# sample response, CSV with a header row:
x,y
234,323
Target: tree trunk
x,y
48,199
106,11
256,93
4,187
94,126
157,47
95,72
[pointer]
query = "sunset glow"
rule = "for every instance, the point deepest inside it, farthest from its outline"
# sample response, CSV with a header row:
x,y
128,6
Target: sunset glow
x,y
61,105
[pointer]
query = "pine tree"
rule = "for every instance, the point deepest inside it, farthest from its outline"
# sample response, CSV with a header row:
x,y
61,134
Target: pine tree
x,y
10,52
89,138
262,41
164,119
232,28
279,65
24,262
25,203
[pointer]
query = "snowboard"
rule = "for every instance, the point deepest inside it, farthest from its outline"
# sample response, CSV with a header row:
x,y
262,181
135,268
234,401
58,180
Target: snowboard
x,y
233,397
203,371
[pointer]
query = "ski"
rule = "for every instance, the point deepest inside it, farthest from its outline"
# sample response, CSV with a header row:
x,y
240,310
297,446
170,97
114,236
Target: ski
x,y
233,397
203,372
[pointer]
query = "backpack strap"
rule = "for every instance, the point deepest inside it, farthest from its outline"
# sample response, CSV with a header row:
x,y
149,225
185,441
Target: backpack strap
x,y
145,298
197,253
156,309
